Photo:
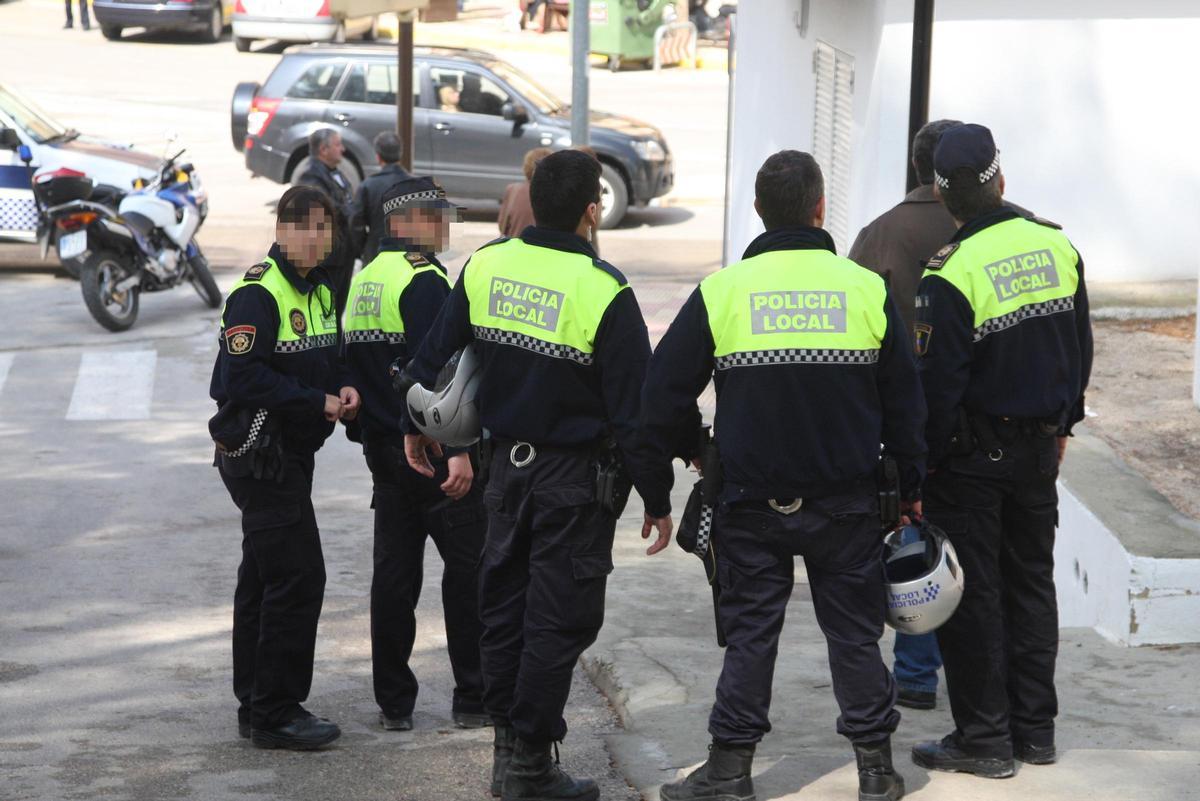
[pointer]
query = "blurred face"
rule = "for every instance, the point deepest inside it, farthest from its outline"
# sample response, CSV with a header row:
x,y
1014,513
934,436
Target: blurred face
x,y
421,228
332,151
306,244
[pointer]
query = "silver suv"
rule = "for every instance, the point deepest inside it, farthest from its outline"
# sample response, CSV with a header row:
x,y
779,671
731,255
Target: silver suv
x,y
474,118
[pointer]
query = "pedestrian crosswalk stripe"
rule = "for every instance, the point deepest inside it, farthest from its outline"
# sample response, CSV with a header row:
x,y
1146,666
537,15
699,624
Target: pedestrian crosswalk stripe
x,y
6,360
114,386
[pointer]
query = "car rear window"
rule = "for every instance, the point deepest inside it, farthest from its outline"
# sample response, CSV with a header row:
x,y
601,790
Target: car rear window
x,y
318,81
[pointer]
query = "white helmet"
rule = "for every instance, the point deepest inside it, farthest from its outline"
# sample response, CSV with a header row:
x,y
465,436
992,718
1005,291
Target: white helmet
x,y
924,578
448,413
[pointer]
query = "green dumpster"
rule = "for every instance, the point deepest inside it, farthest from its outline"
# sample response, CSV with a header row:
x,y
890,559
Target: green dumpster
x,y
623,30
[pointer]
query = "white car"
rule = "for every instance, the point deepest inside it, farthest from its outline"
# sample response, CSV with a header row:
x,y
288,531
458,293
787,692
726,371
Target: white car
x,y
111,167
309,20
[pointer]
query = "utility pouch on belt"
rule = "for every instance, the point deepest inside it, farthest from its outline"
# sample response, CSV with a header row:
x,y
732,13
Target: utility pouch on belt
x,y
962,441
888,478
695,533
612,481
248,443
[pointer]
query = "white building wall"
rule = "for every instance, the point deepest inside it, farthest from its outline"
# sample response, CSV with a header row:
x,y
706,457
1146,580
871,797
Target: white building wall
x,y
1092,111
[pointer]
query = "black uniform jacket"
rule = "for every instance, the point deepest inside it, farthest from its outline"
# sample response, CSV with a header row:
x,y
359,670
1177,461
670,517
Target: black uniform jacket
x,y
290,385
367,221
787,430
535,398
1036,370
384,414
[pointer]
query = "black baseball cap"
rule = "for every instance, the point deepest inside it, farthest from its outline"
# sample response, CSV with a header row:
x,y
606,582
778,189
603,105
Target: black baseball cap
x,y
968,146
416,192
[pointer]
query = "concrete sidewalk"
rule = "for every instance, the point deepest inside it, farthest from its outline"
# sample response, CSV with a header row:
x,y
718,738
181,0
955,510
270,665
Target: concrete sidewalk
x,y
1129,726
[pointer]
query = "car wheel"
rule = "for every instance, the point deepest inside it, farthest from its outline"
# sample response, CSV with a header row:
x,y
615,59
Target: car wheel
x,y
614,197
111,32
216,24
242,44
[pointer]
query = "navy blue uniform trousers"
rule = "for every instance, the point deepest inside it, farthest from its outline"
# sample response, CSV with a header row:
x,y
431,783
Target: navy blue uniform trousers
x,y
840,540
542,581
408,509
280,588
999,648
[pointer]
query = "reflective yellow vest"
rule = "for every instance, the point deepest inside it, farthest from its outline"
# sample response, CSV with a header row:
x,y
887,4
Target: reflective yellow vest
x,y
1011,271
306,321
541,299
795,307
373,311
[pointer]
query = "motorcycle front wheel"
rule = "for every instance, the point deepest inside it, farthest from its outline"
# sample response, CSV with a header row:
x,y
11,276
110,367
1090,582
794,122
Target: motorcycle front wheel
x,y
202,280
114,309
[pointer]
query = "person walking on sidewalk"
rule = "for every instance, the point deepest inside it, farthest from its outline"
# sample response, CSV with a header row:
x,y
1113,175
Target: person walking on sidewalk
x,y
814,372
896,245
83,15
393,302
1006,352
564,350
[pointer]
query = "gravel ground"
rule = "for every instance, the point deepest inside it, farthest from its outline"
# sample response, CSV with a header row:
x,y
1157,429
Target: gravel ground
x,y
1141,399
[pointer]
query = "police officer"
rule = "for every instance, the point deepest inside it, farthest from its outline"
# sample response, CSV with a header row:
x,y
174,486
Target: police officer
x,y
393,302
813,372
279,353
564,349
367,218
1006,350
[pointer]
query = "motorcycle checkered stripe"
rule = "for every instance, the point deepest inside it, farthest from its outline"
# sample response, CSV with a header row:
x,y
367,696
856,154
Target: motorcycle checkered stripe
x,y
375,335
1024,313
308,343
551,349
755,358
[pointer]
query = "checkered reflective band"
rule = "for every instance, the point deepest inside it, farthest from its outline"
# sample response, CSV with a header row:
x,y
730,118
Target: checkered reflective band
x,y
412,197
755,358
551,349
984,176
308,343
375,335
1043,309
256,425
704,530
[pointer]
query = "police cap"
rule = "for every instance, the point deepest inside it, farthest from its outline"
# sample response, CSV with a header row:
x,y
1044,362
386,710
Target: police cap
x,y
968,147
416,192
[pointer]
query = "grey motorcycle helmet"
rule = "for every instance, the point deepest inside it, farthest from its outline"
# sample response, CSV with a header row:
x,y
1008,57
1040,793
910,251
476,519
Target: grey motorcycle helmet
x,y
924,578
449,413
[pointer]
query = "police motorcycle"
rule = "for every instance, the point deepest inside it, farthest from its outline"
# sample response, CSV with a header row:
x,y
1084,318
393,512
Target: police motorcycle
x,y
126,243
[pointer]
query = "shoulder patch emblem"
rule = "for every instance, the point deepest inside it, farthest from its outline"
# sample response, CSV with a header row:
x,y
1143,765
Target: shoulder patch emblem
x,y
239,339
416,259
1045,222
299,322
921,335
941,257
256,272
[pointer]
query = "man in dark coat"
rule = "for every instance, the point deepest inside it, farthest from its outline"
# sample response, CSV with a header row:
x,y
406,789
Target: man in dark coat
x,y
326,150
367,217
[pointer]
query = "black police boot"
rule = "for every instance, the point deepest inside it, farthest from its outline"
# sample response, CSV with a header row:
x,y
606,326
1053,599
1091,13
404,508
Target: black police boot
x,y
877,780
1035,754
533,776
502,751
724,777
305,733
949,755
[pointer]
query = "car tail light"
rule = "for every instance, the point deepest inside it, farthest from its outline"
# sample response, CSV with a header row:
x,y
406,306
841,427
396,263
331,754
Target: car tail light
x,y
324,12
240,8
249,143
262,111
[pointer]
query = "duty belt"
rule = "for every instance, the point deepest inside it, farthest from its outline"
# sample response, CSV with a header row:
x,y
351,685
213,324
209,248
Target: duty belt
x,y
522,453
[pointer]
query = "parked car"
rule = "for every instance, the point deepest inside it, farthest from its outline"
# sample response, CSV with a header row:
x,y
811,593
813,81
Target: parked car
x,y
474,118
112,167
308,20
208,18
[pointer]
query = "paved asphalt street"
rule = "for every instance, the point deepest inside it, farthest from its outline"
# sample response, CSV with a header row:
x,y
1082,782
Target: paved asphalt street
x,y
118,544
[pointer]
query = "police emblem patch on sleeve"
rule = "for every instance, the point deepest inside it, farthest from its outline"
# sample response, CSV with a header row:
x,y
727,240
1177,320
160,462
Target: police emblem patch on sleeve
x,y
416,259
921,334
941,257
239,339
256,272
298,321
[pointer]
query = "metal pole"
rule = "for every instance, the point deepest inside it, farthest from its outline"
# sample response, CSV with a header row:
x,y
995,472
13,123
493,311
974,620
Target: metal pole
x,y
580,47
918,97
404,93
732,70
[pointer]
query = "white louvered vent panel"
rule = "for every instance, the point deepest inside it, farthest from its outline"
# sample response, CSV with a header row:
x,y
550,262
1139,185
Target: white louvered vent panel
x,y
833,122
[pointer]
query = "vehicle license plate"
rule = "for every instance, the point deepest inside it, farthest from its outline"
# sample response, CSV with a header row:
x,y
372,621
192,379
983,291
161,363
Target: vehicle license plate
x,y
72,245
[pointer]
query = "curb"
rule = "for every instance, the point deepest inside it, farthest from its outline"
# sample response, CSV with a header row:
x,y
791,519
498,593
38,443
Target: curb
x,y
603,676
